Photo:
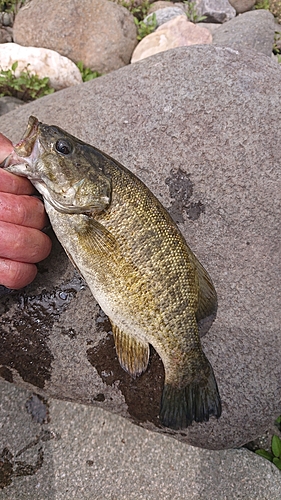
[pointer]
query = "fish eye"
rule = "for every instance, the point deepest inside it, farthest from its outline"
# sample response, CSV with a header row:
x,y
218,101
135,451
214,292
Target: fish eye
x,y
64,146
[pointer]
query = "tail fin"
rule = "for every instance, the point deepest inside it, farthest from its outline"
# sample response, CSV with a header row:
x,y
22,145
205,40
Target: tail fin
x,y
194,402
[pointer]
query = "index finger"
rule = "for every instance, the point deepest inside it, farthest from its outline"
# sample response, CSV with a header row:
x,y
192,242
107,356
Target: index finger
x,y
10,183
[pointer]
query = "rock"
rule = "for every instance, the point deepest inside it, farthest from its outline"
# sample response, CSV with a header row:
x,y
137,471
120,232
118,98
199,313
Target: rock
x,y
5,35
43,62
6,18
252,30
164,15
212,27
203,122
242,5
161,4
216,11
175,33
275,58
100,33
8,104
86,448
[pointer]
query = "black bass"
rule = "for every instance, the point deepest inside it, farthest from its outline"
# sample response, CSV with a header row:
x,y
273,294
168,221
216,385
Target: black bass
x,y
133,258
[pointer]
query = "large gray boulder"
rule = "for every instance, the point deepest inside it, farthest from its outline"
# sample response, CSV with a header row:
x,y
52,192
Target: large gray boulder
x,y
56,450
207,143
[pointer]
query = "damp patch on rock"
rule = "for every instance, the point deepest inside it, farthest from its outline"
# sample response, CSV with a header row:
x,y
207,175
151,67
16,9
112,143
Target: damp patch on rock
x,y
102,321
181,191
37,407
69,332
6,374
99,397
143,394
26,461
11,465
25,326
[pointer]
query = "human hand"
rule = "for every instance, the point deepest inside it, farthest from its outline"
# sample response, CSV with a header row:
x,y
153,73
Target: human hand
x,y
22,217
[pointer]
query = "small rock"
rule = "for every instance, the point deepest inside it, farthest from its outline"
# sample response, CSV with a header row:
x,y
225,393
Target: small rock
x,y
8,104
175,33
212,27
161,4
242,5
164,15
251,30
216,11
7,18
100,33
43,62
5,35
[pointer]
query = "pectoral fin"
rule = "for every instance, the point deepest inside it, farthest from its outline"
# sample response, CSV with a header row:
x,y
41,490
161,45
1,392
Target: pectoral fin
x,y
94,235
132,353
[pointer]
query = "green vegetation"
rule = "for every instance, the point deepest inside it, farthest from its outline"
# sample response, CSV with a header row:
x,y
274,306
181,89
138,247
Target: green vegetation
x,y
277,45
140,11
26,86
145,29
11,5
275,454
263,4
86,73
191,12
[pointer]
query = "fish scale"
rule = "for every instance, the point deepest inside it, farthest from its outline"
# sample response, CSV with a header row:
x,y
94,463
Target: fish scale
x,y
135,261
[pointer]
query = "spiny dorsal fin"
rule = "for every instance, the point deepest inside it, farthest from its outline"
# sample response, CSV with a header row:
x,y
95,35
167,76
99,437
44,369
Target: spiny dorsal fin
x,y
132,353
207,299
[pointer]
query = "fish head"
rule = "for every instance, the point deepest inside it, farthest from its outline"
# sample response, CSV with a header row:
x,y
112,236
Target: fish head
x,y
68,173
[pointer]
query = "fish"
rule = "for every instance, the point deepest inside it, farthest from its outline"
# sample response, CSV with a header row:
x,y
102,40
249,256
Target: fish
x,y
135,261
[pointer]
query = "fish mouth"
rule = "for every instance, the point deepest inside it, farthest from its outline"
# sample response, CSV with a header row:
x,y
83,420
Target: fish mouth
x,y
25,146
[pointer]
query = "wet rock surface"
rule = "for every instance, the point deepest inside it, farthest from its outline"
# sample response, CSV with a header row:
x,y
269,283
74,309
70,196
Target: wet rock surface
x,y
230,168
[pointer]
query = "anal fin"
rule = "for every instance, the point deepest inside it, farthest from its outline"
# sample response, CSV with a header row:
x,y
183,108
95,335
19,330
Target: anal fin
x,y
133,354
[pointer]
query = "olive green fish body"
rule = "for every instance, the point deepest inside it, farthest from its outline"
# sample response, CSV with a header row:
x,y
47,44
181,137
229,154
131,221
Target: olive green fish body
x,y
136,263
